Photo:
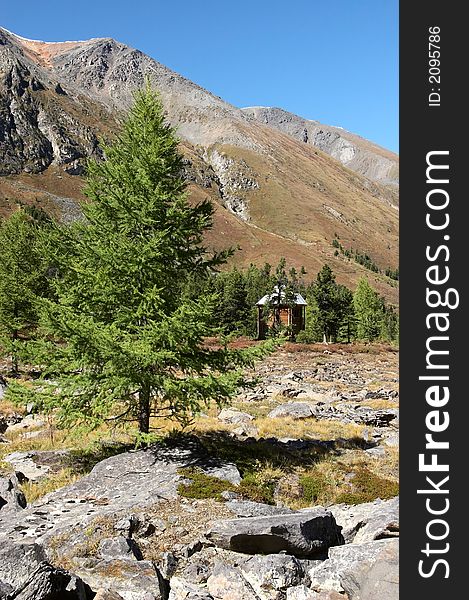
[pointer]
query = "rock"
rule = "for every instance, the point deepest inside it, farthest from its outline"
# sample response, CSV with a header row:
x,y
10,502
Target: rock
x,y
183,590
270,576
11,496
118,547
294,410
246,430
29,421
132,579
305,534
347,566
378,580
247,508
37,464
376,452
227,583
367,522
19,562
48,582
106,594
229,415
7,421
167,565
301,592
392,440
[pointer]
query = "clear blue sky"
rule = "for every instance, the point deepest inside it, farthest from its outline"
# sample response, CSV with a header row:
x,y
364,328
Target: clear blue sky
x,y
335,61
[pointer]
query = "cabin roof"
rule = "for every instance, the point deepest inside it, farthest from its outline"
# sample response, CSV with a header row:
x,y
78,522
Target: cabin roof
x,y
298,298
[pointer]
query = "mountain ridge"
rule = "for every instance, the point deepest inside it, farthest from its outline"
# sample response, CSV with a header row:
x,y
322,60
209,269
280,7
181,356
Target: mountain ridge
x,y
274,195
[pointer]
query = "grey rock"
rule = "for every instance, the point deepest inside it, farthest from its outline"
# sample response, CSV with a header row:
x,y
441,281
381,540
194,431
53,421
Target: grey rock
x,y
19,562
133,580
229,415
376,452
183,590
369,521
270,576
48,582
29,421
294,410
346,567
37,464
301,592
305,534
11,496
377,580
227,583
167,565
106,594
247,508
118,547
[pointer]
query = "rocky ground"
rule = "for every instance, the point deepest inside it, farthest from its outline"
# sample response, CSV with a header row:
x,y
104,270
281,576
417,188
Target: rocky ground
x,y
289,494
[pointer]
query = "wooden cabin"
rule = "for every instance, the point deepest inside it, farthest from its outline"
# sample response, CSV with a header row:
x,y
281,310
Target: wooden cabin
x,y
293,316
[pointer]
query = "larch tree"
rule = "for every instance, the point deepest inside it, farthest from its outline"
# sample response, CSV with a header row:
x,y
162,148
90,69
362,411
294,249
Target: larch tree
x,y
23,280
123,342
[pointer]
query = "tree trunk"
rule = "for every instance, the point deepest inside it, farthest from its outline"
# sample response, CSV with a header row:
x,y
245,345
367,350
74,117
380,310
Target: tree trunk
x,y
144,409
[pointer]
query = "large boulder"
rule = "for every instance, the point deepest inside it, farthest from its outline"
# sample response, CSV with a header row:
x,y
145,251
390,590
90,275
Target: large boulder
x,y
369,521
305,534
364,571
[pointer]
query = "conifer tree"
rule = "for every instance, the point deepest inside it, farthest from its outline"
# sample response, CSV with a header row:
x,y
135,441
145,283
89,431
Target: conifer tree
x,y
22,281
126,343
369,311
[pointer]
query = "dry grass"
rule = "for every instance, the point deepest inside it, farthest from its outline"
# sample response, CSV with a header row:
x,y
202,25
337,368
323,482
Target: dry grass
x,y
35,490
381,403
307,428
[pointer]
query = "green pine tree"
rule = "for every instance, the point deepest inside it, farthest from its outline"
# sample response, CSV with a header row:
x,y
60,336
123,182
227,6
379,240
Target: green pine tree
x,y
369,311
123,341
23,280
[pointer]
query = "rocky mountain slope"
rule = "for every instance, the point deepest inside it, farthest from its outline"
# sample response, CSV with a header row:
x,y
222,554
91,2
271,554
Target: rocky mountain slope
x,y
274,195
351,150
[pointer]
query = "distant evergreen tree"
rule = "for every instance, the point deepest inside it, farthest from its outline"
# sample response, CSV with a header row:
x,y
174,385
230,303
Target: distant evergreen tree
x,y
124,341
326,297
369,311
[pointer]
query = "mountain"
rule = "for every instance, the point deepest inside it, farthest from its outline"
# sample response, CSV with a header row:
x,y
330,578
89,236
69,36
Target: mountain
x,y
351,150
274,194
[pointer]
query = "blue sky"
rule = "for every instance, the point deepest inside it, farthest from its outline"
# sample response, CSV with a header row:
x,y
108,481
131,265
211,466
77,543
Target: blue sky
x,y
335,61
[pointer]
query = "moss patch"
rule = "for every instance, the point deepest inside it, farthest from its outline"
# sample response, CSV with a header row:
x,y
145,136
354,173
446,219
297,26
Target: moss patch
x,y
368,486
